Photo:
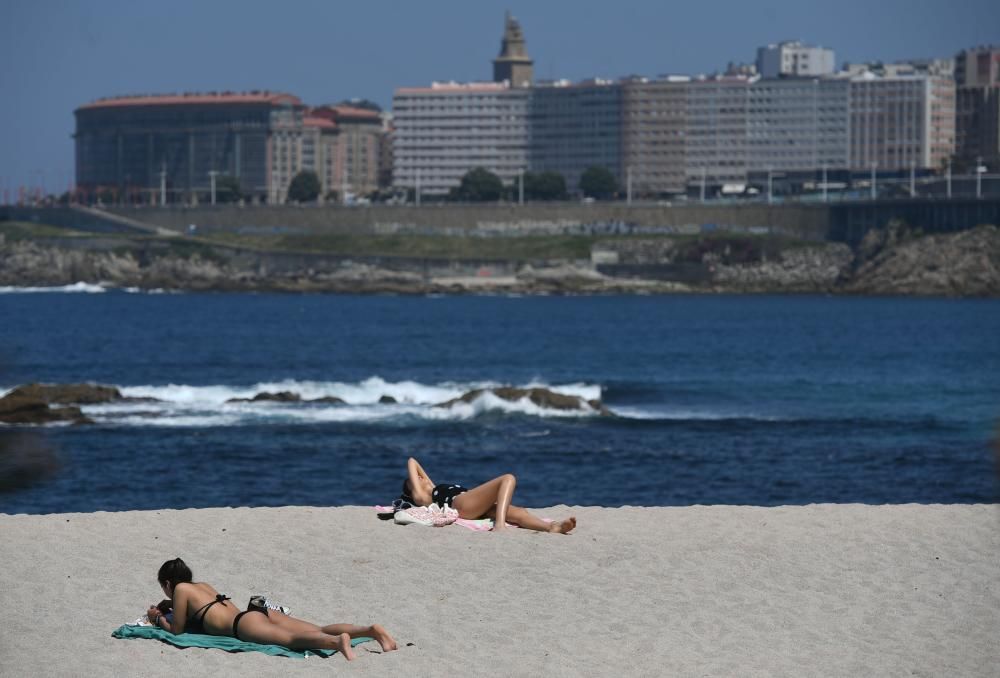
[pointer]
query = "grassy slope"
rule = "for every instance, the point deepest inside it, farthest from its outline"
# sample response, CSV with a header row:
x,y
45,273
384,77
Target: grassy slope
x,y
556,247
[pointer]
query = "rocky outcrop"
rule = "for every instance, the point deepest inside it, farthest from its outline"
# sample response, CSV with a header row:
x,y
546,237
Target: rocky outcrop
x,y
279,397
387,400
541,397
895,261
889,261
25,409
63,394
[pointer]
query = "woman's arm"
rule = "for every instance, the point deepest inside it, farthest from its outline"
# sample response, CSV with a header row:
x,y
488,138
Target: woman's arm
x,y
419,480
179,598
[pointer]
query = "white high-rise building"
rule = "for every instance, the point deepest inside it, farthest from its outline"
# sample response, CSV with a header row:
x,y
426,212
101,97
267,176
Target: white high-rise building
x,y
793,58
447,129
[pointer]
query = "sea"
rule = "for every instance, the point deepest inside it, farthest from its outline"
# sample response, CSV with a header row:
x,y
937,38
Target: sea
x,y
750,400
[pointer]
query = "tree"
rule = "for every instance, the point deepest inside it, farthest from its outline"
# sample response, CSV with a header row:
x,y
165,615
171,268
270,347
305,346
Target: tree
x,y
479,185
227,189
598,182
544,186
305,187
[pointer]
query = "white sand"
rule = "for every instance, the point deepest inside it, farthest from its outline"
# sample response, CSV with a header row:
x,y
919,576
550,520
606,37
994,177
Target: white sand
x,y
826,590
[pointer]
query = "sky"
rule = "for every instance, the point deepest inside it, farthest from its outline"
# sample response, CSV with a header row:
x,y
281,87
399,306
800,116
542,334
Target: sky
x,y
56,56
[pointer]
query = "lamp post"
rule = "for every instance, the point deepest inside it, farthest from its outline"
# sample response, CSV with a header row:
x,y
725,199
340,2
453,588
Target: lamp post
x,y
416,190
211,176
824,182
979,176
628,185
520,187
947,175
703,184
874,189
770,186
163,185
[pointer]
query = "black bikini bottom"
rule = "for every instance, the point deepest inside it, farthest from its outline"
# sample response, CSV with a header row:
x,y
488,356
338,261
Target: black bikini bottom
x,y
236,621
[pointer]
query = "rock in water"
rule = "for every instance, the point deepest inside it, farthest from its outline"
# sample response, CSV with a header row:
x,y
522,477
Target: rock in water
x,y
62,394
542,397
387,400
280,397
18,408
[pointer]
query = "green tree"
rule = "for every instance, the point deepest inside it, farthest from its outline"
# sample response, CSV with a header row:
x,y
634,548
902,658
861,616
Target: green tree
x,y
479,185
544,186
227,189
305,187
598,182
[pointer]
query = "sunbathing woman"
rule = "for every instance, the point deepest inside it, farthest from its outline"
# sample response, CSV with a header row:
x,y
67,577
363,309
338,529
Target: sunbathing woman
x,y
489,500
199,608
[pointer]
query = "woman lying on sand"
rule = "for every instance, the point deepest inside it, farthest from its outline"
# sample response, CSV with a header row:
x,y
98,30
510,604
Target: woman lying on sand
x,y
199,608
489,500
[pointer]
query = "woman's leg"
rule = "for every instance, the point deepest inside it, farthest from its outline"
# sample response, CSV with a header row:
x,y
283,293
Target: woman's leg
x,y
259,628
496,494
523,518
376,631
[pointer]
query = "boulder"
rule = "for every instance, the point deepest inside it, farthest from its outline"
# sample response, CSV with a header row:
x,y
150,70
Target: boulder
x,y
18,408
387,400
62,394
332,400
542,397
280,396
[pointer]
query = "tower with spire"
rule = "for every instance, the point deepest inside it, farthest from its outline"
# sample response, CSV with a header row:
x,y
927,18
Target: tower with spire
x,y
513,64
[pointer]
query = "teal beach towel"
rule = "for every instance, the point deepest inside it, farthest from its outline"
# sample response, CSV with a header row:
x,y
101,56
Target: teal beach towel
x,y
220,642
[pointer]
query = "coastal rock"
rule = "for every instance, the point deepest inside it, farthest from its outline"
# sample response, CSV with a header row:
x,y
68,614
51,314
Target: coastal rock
x,y
895,261
541,397
331,400
19,408
62,394
280,397
387,400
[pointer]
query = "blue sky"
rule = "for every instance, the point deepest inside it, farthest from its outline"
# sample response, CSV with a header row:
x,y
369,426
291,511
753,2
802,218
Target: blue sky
x,y
55,56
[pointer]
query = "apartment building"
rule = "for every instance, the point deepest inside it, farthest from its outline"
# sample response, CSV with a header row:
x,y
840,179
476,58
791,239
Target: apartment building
x,y
793,59
977,107
654,124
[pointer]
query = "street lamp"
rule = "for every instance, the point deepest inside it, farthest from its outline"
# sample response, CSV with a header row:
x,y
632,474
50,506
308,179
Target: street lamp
x,y
874,190
980,169
211,176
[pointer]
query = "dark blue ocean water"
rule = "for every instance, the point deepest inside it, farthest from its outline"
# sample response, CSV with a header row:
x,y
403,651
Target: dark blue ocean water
x,y
731,400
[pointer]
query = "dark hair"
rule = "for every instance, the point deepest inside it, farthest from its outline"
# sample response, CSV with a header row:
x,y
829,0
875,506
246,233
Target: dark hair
x,y
406,495
165,605
174,571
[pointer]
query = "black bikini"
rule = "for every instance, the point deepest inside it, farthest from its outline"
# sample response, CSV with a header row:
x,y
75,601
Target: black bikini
x,y
196,622
236,621
445,494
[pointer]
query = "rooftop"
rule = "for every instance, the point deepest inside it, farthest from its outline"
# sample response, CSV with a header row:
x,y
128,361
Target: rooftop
x,y
196,98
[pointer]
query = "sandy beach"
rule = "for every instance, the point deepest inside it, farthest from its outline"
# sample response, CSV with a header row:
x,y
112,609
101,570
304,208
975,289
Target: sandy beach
x,y
824,590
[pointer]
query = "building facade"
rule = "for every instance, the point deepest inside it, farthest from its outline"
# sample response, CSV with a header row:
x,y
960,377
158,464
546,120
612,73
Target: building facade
x,y
137,146
443,131
901,122
793,59
654,126
343,146
575,126
977,108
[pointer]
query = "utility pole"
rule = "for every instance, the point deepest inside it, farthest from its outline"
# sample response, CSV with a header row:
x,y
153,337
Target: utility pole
x,y
628,185
874,190
948,178
824,182
211,176
913,183
163,185
417,189
520,187
703,184
979,177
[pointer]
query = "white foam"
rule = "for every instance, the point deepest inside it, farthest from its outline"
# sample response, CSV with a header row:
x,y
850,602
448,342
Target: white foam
x,y
208,405
80,287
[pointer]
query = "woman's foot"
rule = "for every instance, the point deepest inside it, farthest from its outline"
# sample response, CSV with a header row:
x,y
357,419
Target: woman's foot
x,y
344,641
563,526
384,639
